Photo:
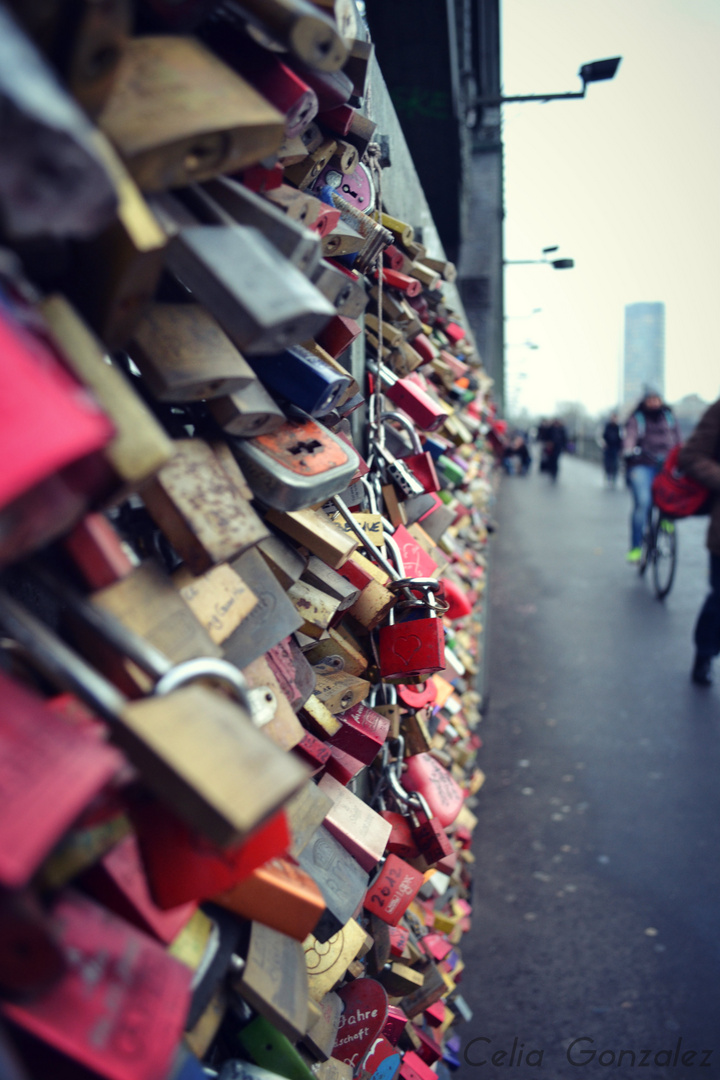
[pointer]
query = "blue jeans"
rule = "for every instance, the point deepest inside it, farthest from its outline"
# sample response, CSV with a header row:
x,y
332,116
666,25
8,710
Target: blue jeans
x,y
640,479
707,627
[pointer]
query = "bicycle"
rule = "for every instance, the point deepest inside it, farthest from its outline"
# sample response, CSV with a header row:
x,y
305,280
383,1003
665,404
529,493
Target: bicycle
x,y
659,548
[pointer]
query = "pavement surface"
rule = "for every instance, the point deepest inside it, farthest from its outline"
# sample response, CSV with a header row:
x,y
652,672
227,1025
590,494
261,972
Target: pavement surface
x,y
596,922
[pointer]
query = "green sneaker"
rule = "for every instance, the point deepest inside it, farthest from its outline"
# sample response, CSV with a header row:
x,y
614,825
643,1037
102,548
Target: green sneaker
x,y
667,526
634,555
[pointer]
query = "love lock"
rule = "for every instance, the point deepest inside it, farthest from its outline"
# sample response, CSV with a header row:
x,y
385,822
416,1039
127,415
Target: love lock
x,y
416,646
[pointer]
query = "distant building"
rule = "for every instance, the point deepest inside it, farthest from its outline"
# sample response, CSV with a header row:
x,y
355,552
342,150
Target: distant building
x,y
644,355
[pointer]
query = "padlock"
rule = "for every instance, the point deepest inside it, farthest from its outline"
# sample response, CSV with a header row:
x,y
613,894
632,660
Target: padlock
x,y
417,646
161,735
401,841
340,878
390,708
354,824
51,772
355,186
342,288
418,696
428,832
261,300
140,446
83,42
362,734
130,1026
184,355
393,890
427,414
397,471
302,378
420,462
425,775
300,464
278,894
183,866
290,93
158,117
118,882
224,201
343,766
298,27
274,980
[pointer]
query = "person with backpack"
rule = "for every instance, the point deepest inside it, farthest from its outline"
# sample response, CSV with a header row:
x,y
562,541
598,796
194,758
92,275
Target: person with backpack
x,y
700,460
650,433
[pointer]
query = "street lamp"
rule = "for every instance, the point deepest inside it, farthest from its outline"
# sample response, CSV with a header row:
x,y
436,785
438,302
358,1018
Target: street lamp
x,y
595,71
557,264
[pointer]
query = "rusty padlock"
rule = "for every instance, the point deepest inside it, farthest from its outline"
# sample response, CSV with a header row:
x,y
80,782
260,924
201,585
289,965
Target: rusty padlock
x,y
416,646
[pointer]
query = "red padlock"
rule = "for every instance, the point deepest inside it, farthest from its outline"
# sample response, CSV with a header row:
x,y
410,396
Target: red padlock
x,y
401,841
415,647
428,414
426,776
459,603
393,890
429,834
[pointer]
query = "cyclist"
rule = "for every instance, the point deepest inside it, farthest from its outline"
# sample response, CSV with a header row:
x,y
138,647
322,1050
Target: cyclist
x,y
700,459
650,433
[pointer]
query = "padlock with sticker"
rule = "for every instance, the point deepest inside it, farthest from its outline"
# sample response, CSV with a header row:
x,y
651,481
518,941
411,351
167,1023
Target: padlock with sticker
x,y
416,646
297,466
354,187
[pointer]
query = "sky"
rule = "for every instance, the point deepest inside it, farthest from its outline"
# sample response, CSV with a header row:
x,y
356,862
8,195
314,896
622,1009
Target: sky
x,y
626,182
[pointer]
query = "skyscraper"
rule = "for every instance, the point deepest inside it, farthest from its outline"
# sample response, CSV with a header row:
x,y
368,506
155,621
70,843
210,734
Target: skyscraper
x,y
644,356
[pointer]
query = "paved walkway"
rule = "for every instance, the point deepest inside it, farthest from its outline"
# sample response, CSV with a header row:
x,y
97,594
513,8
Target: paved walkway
x,y
596,907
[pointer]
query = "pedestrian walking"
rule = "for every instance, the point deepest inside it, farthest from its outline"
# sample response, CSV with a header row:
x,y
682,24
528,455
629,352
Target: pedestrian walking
x,y
611,444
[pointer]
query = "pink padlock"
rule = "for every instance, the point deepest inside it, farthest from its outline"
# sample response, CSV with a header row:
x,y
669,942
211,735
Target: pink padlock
x,y
355,188
424,774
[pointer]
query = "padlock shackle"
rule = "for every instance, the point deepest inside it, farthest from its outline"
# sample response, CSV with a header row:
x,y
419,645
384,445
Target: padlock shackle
x,y
206,667
141,652
58,661
392,547
407,423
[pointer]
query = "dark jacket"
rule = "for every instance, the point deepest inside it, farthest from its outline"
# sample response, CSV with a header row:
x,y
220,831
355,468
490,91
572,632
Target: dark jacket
x,y
653,435
611,436
700,459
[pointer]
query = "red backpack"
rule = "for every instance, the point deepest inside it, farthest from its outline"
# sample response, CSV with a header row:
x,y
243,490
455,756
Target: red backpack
x,y
675,493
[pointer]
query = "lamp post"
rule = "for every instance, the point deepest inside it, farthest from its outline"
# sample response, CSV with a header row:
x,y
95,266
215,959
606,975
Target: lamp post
x,y
595,71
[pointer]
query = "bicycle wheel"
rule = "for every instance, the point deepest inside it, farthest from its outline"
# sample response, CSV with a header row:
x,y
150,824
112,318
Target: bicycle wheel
x,y
648,545
664,556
